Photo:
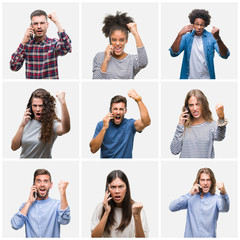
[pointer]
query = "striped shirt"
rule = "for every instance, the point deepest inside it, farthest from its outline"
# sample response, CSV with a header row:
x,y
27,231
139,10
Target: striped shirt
x,y
197,141
125,68
41,57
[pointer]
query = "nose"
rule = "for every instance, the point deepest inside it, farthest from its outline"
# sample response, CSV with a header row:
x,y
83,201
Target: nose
x,y
39,25
38,108
118,111
195,107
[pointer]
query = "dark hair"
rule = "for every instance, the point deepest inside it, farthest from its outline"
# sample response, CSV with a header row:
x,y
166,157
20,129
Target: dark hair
x,y
48,113
117,22
38,13
118,99
126,204
206,113
41,172
199,13
212,177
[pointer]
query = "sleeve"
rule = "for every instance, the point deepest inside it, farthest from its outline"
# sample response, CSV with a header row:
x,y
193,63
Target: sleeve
x,y
176,144
180,203
96,216
141,60
63,45
97,73
18,58
219,132
217,49
144,223
18,219
223,203
63,215
181,47
98,129
55,126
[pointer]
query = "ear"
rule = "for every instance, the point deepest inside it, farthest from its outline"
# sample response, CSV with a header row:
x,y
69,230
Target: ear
x,y
51,185
127,40
47,24
125,111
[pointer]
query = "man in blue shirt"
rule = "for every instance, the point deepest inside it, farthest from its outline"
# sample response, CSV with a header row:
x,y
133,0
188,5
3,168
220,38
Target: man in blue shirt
x,y
198,46
203,205
115,134
41,214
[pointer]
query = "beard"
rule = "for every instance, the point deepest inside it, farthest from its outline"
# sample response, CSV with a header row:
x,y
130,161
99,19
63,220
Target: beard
x,y
43,196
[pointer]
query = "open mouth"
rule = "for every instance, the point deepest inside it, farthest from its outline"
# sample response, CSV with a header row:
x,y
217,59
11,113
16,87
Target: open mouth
x,y
117,198
118,50
42,191
118,119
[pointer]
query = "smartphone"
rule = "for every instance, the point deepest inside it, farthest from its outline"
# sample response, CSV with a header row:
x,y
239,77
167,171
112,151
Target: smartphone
x,y
110,43
109,195
200,189
31,111
34,193
31,35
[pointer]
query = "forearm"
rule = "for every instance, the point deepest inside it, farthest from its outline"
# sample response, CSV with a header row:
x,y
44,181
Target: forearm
x,y
138,226
104,66
59,27
223,50
65,118
96,142
176,44
180,203
16,141
145,118
26,207
176,144
138,40
17,58
64,203
99,229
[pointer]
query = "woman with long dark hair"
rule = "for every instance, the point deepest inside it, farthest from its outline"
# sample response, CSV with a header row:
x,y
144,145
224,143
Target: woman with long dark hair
x,y
118,215
40,125
197,131
115,63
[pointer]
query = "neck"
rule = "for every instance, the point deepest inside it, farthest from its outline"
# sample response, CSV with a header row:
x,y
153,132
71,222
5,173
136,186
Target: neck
x,y
39,198
197,121
40,39
123,55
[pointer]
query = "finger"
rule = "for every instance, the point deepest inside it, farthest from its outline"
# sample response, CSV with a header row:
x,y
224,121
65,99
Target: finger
x,y
109,199
199,185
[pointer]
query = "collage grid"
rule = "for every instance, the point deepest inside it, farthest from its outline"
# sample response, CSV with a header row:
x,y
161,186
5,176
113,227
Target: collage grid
x,y
156,176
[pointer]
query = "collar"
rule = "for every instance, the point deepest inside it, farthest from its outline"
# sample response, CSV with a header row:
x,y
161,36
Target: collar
x,y
43,42
43,201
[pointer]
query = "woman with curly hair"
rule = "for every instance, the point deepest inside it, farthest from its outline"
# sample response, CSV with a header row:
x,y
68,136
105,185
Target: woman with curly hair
x,y
115,63
40,125
196,131
118,215
198,45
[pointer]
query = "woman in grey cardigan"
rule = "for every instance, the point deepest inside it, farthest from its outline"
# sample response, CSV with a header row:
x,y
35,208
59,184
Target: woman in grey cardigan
x,y
196,131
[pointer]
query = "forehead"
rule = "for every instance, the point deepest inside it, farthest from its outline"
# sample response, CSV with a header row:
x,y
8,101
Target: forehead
x,y
205,176
118,105
199,20
41,18
118,34
192,100
42,177
117,182
37,101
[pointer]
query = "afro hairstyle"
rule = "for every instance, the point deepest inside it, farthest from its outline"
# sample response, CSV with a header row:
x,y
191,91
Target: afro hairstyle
x,y
200,13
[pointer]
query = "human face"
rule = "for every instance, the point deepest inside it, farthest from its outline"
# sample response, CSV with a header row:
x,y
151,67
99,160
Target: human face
x,y
117,189
205,182
43,185
118,40
195,107
118,110
40,26
199,25
37,108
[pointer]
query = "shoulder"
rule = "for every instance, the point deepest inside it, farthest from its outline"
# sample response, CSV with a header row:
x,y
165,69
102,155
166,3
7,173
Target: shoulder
x,y
100,55
100,124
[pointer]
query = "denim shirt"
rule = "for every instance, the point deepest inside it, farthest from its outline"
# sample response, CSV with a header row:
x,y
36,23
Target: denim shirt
x,y
209,44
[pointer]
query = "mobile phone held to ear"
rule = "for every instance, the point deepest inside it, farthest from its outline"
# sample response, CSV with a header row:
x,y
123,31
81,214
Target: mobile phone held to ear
x,y
34,193
31,35
31,115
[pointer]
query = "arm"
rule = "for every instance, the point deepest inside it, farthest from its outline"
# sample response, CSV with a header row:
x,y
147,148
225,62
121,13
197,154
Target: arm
x,y
136,209
223,199
145,120
65,125
223,50
16,141
63,46
99,229
175,48
219,133
96,142
180,203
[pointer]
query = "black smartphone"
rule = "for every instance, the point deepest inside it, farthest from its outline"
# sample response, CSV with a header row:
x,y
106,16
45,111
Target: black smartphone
x,y
31,35
108,192
31,111
34,193
200,189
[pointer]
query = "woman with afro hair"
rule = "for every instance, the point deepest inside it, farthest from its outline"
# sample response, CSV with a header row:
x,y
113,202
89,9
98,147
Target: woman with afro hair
x,y
198,45
40,125
115,63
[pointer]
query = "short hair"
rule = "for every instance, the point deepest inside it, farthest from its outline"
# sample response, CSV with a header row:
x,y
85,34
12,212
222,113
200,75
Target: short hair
x,y
117,22
41,172
199,13
126,204
212,177
118,99
206,113
38,13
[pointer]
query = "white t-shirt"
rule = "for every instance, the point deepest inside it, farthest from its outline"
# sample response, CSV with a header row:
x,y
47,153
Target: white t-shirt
x,y
197,65
129,231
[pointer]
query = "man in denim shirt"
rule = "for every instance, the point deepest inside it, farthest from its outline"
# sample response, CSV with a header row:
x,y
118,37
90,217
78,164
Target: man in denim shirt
x,y
198,46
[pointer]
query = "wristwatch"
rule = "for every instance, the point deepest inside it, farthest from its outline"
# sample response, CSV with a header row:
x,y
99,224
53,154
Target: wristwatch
x,y
138,99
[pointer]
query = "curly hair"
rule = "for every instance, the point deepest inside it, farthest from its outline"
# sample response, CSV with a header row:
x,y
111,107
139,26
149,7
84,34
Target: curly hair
x,y
206,112
48,113
199,13
117,22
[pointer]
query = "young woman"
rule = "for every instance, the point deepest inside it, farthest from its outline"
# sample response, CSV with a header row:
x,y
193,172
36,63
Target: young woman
x,y
40,125
115,63
196,130
118,215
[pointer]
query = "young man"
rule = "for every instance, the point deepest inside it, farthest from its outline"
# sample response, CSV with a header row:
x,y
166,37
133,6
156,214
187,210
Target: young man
x,y
40,52
115,134
198,46
41,214
203,205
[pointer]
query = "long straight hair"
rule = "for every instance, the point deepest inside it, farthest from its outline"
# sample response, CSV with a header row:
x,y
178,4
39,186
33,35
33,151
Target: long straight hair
x,y
126,204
